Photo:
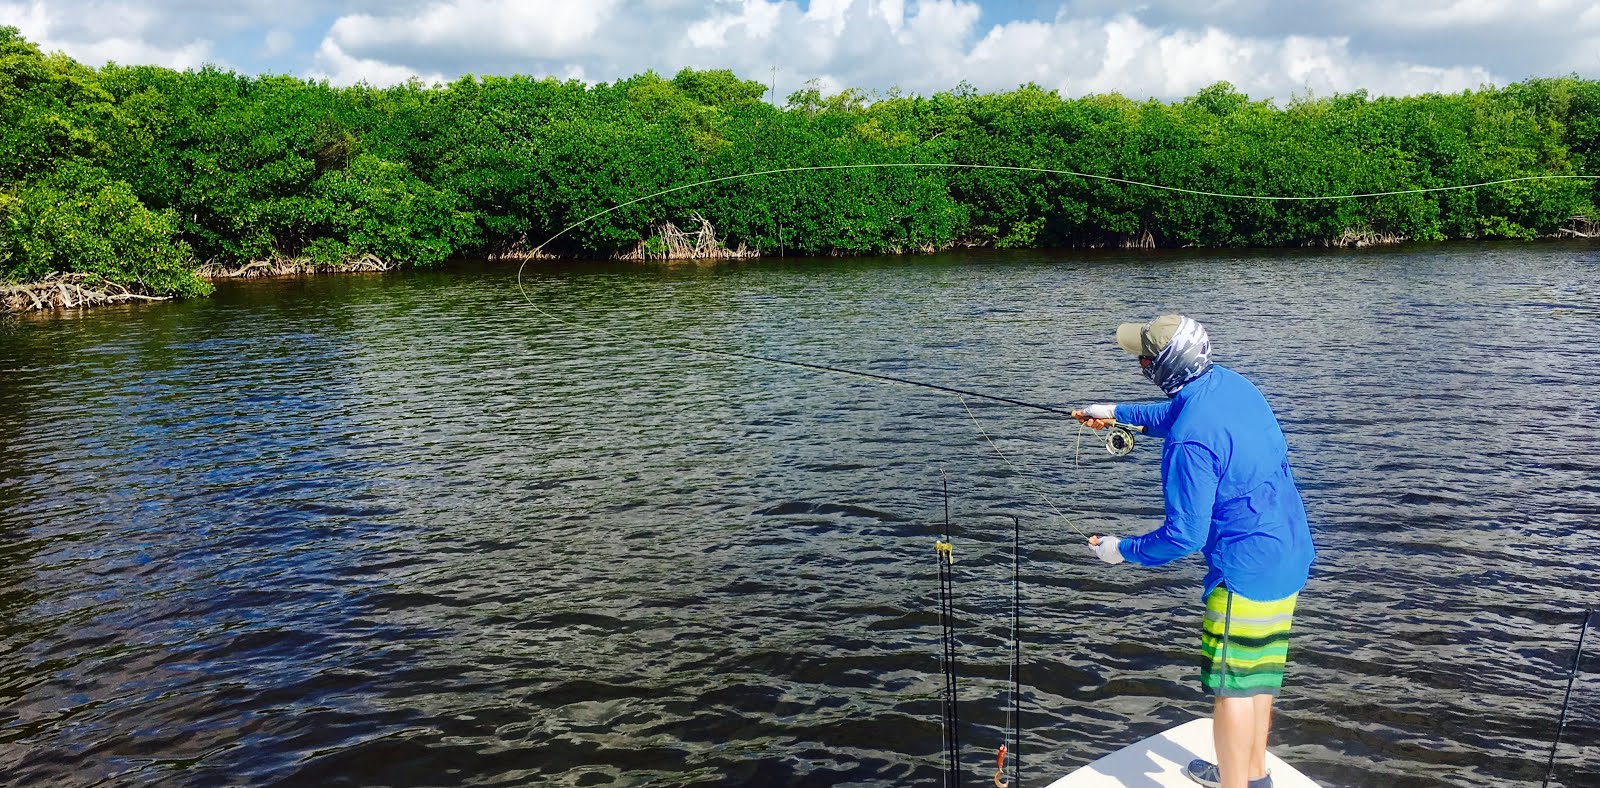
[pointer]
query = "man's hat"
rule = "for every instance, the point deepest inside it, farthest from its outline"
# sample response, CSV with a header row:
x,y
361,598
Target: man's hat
x,y
1148,339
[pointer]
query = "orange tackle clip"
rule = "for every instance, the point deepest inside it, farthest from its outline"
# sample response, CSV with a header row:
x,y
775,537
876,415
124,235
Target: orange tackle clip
x,y
1000,768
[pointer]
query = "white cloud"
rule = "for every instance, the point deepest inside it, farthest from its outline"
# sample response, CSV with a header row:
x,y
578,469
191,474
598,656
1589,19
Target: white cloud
x,y
276,43
758,17
920,46
1161,48
831,13
128,51
1444,14
548,28
118,32
29,17
1126,56
342,68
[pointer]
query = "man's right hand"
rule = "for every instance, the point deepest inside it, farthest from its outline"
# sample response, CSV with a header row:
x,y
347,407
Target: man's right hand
x,y
1097,416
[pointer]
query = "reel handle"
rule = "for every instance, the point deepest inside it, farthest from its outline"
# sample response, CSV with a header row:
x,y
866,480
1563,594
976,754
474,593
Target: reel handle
x,y
1119,439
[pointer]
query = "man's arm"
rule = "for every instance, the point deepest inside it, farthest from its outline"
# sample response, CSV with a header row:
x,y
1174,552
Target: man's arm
x,y
1154,417
1189,484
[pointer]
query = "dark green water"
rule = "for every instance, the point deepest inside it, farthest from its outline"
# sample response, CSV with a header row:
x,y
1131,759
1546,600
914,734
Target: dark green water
x,y
402,529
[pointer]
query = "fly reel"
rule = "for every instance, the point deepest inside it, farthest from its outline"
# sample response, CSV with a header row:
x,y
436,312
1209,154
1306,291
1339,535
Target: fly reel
x,y
1119,440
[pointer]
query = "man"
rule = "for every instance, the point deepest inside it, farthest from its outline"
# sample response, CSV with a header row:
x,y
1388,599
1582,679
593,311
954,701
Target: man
x,y
1229,493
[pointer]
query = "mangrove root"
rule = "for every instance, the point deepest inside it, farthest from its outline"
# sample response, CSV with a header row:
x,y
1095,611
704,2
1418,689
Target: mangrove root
x,y
1580,227
67,291
292,266
668,242
1353,238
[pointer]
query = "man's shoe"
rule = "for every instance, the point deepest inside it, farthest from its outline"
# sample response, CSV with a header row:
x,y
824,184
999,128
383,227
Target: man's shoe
x,y
1207,774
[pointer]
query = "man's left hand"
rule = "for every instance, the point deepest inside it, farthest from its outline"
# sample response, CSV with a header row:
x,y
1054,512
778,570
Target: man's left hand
x,y
1107,548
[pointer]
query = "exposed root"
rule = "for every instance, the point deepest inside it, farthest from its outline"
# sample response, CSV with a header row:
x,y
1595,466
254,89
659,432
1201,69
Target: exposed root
x,y
518,253
897,249
669,242
1356,239
517,250
1580,227
1144,240
296,266
67,291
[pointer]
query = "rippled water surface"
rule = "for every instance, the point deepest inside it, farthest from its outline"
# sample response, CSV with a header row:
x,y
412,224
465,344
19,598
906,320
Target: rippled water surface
x,y
404,529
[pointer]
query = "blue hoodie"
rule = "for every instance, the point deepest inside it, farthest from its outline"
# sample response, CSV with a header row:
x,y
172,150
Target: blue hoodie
x,y
1228,489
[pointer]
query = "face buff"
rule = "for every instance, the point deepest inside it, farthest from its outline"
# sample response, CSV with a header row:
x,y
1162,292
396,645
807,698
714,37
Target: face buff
x,y
1186,357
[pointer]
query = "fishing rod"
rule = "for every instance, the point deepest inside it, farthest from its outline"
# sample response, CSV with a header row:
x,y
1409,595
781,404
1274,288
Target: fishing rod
x,y
1571,678
945,551
684,348
1016,665
1120,440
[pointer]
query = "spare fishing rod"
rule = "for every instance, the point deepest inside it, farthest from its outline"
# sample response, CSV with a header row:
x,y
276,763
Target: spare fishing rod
x,y
1016,667
1572,677
945,552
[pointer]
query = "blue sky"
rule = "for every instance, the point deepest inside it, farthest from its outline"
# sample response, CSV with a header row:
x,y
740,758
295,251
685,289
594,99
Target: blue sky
x,y
1165,49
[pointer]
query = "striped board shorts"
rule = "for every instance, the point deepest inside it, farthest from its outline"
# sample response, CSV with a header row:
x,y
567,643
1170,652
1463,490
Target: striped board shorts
x,y
1244,644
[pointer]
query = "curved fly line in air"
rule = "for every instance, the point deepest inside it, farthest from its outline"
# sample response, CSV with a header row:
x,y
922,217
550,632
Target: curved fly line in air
x,y
732,354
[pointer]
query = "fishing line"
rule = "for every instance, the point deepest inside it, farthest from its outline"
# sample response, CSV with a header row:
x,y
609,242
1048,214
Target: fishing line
x,y
1046,171
1118,443
522,269
1020,474
792,363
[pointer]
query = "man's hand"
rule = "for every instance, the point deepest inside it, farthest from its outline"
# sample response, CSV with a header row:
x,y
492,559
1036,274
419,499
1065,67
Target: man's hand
x,y
1098,416
1106,548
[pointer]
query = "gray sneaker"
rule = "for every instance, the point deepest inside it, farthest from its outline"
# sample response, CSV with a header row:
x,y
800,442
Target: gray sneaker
x,y
1207,774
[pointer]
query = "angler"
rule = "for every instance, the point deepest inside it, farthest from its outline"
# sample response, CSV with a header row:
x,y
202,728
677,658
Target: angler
x,y
1229,493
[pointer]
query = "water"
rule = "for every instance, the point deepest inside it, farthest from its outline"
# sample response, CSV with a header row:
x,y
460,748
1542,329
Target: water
x,y
402,529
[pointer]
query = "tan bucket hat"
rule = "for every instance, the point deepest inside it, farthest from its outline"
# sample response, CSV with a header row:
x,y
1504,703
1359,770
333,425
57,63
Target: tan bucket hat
x,y
1148,339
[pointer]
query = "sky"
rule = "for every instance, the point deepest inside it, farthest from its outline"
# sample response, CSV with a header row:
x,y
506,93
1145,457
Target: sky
x,y
1165,49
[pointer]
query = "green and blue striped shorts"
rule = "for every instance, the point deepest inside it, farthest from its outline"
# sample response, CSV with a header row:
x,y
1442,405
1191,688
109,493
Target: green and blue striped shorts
x,y
1244,644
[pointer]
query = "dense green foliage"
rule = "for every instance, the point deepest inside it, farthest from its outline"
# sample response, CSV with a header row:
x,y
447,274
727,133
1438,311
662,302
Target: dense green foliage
x,y
142,174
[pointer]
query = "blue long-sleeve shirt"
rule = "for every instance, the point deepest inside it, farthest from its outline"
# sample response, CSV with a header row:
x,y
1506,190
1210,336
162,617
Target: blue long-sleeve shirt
x,y
1228,489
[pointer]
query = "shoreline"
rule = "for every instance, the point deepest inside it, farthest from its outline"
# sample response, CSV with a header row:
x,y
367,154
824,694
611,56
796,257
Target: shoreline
x,y
78,291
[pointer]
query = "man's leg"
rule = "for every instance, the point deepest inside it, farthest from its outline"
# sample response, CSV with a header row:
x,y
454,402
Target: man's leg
x,y
1258,749
1233,730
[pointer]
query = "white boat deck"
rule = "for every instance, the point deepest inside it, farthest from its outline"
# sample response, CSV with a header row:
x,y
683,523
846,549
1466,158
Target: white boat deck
x,y
1157,762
